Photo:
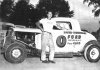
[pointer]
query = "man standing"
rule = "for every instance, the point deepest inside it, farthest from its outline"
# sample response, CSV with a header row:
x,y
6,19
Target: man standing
x,y
46,38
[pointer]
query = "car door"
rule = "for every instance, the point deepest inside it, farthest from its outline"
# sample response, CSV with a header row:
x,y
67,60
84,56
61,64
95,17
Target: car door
x,y
60,38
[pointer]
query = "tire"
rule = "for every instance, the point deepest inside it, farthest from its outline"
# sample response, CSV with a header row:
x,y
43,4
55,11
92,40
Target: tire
x,y
2,41
92,53
15,53
59,42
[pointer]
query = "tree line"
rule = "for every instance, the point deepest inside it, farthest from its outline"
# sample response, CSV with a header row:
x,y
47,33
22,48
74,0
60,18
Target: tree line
x,y
23,13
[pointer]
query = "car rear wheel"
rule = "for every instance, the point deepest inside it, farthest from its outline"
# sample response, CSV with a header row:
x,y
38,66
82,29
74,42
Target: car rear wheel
x,y
92,53
15,53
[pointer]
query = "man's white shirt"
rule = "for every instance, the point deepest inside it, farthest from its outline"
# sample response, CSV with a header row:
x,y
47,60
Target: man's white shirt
x,y
47,24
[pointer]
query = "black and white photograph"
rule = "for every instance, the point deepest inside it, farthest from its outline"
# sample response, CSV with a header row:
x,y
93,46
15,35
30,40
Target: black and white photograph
x,y
49,34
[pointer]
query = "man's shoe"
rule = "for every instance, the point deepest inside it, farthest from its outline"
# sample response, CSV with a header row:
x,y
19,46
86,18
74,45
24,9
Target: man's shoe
x,y
45,61
51,61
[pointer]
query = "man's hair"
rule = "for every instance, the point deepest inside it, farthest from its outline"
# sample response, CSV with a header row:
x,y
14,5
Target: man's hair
x,y
50,11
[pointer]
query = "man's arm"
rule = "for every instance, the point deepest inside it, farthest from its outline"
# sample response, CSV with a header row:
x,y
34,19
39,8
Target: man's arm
x,y
39,26
58,26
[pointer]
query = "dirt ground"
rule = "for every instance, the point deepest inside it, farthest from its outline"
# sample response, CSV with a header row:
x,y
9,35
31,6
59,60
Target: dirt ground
x,y
33,63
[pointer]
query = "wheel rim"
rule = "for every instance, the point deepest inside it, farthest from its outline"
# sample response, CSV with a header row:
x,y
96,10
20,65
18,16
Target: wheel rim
x,y
94,53
16,53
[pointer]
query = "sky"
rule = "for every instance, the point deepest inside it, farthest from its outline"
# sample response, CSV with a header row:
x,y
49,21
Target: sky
x,y
83,14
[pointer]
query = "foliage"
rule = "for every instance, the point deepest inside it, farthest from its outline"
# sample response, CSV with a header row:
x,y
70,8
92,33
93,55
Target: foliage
x,y
96,4
56,6
6,9
23,13
20,14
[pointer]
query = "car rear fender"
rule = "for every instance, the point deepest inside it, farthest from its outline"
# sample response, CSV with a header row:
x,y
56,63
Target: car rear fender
x,y
92,42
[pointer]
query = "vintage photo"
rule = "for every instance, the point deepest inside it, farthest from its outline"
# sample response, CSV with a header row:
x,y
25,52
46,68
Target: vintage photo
x,y
49,34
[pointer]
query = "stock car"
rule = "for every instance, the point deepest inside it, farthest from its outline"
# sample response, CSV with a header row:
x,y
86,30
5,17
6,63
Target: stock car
x,y
68,40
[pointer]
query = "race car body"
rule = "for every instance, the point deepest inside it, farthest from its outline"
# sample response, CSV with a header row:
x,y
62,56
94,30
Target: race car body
x,y
67,38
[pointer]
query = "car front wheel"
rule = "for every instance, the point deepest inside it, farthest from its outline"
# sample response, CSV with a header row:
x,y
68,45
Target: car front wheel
x,y
15,53
92,53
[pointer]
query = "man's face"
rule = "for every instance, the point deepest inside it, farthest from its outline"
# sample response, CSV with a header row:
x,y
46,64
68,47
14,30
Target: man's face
x,y
49,15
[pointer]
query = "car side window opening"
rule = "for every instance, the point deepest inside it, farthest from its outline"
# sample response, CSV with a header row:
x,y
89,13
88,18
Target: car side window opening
x,y
61,25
